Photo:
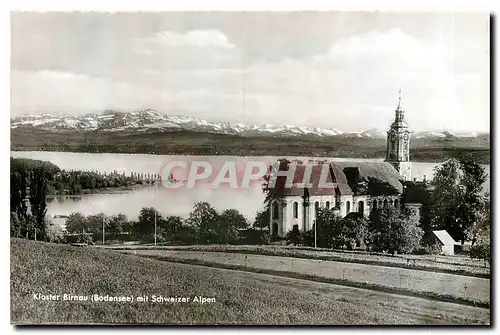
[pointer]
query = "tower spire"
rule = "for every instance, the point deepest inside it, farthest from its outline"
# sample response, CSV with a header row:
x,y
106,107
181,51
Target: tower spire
x,y
399,99
398,143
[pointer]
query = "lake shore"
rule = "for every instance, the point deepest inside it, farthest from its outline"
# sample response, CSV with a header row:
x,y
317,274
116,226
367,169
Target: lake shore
x,y
105,190
482,156
181,143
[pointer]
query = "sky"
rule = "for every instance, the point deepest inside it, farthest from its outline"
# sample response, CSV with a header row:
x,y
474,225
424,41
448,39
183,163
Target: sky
x,y
328,69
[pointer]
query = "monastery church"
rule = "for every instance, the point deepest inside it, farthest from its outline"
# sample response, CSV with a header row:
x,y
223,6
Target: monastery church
x,y
355,186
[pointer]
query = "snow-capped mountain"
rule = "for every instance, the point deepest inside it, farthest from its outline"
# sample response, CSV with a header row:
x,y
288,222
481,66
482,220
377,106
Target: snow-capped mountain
x,y
144,120
149,120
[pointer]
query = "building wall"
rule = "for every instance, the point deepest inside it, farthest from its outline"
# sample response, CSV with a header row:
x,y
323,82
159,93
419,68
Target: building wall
x,y
404,169
366,204
448,249
290,219
286,218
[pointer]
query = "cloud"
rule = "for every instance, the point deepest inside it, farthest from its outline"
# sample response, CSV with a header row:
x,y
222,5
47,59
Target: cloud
x,y
392,50
65,92
193,50
194,38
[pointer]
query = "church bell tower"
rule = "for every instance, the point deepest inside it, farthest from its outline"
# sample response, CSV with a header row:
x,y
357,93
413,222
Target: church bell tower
x,y
398,144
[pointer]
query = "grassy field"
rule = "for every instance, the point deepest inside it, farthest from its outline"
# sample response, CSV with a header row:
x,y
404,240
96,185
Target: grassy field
x,y
183,142
240,298
446,264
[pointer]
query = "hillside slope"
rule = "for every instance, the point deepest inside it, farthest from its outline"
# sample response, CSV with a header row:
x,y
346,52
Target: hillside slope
x,y
241,297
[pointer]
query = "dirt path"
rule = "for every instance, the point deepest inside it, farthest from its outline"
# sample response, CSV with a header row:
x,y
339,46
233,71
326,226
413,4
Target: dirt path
x,y
397,306
442,284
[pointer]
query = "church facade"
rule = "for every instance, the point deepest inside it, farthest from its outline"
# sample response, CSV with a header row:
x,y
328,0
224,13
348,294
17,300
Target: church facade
x,y
353,187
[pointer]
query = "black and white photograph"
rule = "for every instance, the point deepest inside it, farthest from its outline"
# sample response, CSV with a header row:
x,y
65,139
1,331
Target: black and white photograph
x,y
250,168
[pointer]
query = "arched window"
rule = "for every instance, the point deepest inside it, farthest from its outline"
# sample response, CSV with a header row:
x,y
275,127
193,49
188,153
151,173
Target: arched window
x,y
327,206
348,207
361,207
295,210
316,208
385,203
375,204
396,204
275,211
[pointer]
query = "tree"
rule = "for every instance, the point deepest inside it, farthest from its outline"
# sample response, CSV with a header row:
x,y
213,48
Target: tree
x,y
116,224
457,198
481,232
95,223
231,221
394,231
76,223
406,235
262,219
204,219
146,222
329,231
186,235
481,235
15,225
170,226
37,197
354,229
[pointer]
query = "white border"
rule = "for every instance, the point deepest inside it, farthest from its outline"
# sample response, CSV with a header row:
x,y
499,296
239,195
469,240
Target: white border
x,y
151,5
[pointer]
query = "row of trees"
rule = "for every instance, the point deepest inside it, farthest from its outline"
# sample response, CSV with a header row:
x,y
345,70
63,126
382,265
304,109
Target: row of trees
x,y
73,182
204,225
387,229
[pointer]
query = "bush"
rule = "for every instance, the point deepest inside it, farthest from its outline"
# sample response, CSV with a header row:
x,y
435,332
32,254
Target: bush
x,y
186,235
276,238
481,251
253,236
294,236
432,249
308,238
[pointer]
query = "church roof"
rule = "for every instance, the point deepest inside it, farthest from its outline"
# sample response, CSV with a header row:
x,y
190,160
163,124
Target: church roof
x,y
380,172
315,189
340,175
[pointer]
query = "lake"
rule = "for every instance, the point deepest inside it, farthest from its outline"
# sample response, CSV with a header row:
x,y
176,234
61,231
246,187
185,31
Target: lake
x,y
167,201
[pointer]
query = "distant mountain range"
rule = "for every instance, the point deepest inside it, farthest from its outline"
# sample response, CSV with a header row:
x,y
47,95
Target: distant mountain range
x,y
147,120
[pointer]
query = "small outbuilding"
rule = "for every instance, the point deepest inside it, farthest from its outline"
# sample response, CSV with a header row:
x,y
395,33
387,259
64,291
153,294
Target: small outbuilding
x,y
446,242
